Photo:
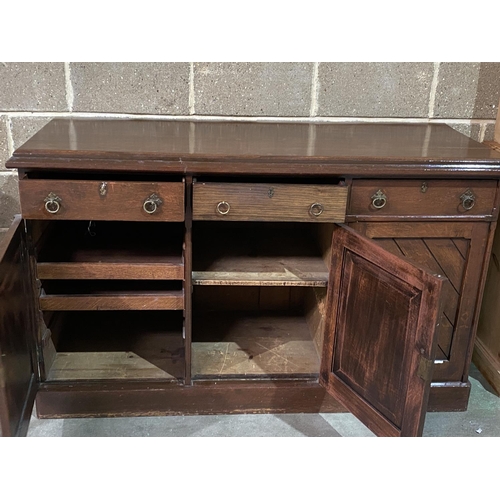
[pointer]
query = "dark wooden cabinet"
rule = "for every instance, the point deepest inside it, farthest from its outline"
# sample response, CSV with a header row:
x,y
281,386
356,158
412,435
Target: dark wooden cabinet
x,y
196,268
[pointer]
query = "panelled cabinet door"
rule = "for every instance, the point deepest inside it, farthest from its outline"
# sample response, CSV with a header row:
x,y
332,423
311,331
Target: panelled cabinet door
x,y
379,344
17,336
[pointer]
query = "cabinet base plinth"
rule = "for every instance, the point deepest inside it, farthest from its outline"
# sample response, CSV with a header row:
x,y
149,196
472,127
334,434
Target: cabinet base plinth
x,y
449,396
209,398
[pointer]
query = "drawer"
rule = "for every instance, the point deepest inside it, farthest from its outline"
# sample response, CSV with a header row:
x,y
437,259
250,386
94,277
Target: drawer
x,y
100,200
422,198
269,202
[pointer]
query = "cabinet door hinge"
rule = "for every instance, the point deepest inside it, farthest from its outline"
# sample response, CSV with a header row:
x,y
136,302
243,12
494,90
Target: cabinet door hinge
x,y
425,368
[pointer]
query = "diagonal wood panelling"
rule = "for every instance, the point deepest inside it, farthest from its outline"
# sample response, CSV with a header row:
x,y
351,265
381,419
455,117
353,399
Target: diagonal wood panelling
x,y
445,256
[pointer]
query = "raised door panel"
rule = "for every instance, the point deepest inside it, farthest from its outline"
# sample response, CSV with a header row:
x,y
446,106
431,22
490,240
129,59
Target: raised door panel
x,y
456,251
380,334
17,338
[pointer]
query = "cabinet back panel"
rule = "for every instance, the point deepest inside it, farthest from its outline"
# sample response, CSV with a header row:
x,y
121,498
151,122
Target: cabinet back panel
x,y
247,298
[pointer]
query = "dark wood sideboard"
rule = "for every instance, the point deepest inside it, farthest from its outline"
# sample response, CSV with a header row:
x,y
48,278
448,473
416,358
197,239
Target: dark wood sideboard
x,y
182,267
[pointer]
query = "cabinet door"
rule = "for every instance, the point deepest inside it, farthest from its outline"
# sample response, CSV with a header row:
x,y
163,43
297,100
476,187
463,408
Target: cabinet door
x,y
455,250
17,334
379,334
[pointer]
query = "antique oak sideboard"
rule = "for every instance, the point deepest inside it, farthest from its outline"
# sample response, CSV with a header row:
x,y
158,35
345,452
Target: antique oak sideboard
x,y
181,267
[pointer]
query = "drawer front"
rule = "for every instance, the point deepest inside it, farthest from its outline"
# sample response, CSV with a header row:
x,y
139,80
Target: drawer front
x,y
269,202
97,200
422,198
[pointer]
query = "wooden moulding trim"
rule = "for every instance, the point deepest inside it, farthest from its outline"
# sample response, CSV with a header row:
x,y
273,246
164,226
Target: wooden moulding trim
x,y
296,166
487,364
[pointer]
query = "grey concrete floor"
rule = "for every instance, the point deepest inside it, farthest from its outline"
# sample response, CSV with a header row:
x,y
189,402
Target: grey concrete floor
x,y
482,419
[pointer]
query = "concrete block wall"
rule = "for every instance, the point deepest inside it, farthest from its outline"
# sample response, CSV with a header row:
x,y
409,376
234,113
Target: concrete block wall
x,y
463,95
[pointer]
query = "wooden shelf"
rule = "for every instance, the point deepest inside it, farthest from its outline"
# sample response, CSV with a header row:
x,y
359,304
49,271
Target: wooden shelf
x,y
107,345
110,295
119,250
268,272
168,301
104,365
252,345
173,270
257,255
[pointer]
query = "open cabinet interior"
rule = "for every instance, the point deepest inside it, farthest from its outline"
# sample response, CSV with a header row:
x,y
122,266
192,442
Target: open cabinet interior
x,y
107,345
109,250
111,296
259,299
112,299
261,253
257,332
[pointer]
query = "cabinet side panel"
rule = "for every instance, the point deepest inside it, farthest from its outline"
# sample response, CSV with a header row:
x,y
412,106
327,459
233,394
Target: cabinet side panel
x,y
16,335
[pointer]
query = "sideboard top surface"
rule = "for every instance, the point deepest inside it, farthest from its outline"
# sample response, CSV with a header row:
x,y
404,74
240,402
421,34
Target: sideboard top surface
x,y
361,144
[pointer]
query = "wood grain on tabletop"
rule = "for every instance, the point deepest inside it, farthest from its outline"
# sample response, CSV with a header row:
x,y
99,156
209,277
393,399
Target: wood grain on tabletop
x,y
105,138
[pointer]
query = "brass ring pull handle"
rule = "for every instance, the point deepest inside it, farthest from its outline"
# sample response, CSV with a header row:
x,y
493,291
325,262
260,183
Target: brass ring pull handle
x,y
316,209
468,199
52,203
379,200
151,203
223,207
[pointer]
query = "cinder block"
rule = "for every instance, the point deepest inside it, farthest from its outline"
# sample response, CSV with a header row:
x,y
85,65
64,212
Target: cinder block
x,y
490,132
374,89
9,198
4,144
148,88
488,91
32,87
456,90
253,89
